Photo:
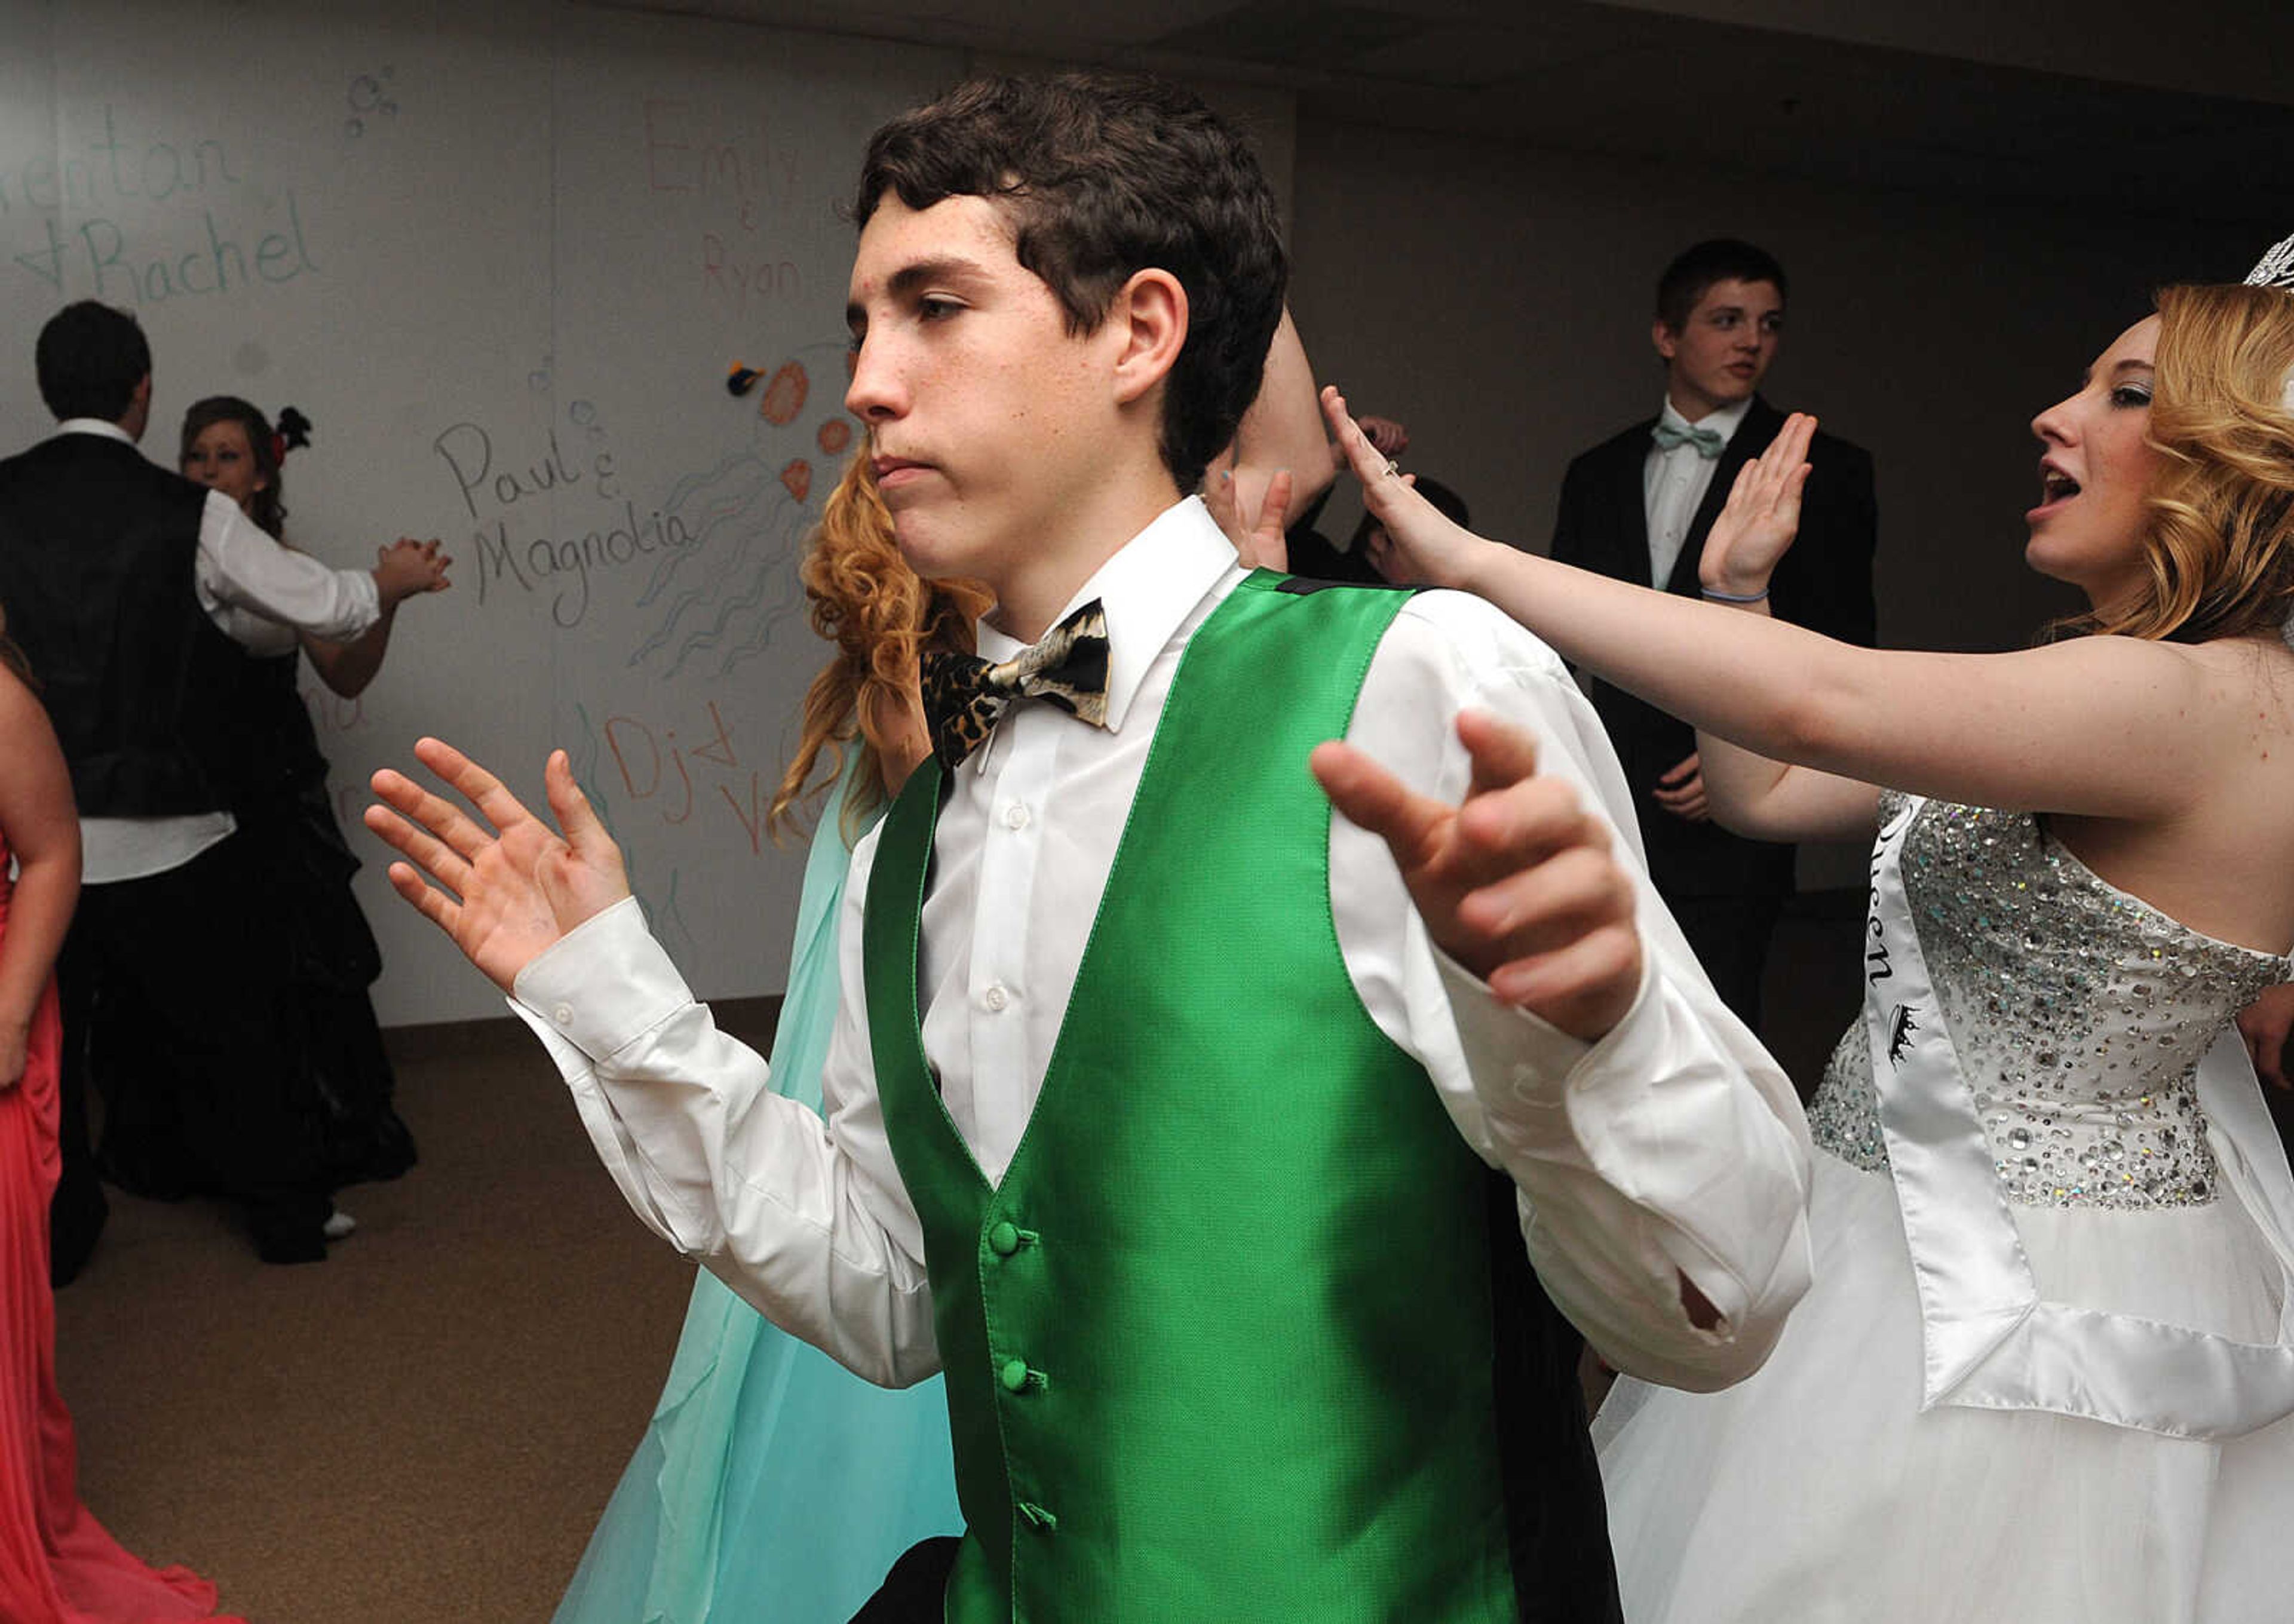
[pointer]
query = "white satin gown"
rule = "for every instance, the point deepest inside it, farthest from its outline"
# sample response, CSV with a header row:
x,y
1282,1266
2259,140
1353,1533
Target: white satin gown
x,y
1859,1476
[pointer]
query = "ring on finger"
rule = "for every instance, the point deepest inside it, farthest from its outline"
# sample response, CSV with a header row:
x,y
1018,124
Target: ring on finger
x,y
1393,468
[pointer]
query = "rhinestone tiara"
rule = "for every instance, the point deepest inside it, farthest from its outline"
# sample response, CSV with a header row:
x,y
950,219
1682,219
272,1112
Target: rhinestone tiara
x,y
2274,269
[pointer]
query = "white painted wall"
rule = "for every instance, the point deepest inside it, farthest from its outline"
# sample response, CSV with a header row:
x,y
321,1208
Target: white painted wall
x,y
486,227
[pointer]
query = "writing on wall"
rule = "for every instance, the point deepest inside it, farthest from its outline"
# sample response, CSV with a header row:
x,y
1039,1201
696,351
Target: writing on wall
x,y
678,779
744,186
514,554
138,216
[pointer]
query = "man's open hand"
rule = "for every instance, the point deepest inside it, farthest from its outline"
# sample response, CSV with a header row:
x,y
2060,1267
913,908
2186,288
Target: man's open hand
x,y
502,895
1517,883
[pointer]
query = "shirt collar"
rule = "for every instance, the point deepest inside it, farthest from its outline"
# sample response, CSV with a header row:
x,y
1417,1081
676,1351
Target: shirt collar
x,y
1724,422
1147,588
95,426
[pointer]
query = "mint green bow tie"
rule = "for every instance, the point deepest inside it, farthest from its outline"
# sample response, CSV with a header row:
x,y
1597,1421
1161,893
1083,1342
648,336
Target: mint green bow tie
x,y
1707,441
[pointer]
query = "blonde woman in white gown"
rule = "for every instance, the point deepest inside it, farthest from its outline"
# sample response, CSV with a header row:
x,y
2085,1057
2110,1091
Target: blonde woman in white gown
x,y
2044,1371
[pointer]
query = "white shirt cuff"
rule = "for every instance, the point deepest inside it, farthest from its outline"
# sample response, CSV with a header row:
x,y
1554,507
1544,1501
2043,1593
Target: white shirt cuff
x,y
601,985
1545,1068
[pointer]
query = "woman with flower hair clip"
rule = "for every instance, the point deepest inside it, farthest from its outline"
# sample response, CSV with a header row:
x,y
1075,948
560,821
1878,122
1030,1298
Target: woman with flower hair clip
x,y
772,1482
2046,1368
322,956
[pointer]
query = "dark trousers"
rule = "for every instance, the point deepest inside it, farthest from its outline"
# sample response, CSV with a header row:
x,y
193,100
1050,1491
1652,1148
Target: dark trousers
x,y
77,1210
915,1591
1730,936
178,969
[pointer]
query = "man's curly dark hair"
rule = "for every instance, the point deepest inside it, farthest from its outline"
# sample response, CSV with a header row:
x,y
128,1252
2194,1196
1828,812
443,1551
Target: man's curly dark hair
x,y
1102,175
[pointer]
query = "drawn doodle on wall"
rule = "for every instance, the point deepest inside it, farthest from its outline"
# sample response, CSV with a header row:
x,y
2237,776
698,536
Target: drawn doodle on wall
x,y
369,97
721,602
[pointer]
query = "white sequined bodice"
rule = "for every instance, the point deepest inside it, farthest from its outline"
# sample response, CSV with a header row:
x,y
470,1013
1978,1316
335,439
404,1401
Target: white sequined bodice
x,y
2079,1015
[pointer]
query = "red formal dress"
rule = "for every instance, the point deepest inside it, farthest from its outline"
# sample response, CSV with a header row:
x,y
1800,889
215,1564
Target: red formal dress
x,y
57,1563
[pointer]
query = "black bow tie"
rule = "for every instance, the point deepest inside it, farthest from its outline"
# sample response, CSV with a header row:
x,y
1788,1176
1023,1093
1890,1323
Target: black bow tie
x,y
964,695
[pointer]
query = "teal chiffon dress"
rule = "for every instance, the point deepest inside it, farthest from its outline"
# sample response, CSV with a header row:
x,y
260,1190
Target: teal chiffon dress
x,y
772,1486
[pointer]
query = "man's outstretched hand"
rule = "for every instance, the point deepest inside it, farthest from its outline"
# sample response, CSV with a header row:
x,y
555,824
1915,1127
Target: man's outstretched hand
x,y
520,886
1517,883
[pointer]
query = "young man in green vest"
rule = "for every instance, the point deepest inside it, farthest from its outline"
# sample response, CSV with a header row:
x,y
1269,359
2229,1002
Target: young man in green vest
x,y
1197,1132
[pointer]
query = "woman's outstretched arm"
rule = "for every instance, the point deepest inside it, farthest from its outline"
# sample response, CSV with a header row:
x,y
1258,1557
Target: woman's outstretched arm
x,y
1282,432
2104,727
347,668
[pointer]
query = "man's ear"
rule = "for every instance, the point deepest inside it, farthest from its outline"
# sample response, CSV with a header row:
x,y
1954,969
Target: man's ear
x,y
1666,340
1149,318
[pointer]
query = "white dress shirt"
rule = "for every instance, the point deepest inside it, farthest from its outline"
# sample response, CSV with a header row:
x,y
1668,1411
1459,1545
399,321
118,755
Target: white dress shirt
x,y
238,568
1674,481
1672,1147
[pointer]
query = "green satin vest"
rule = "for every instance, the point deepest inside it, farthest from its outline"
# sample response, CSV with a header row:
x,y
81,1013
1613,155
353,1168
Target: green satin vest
x,y
1219,1346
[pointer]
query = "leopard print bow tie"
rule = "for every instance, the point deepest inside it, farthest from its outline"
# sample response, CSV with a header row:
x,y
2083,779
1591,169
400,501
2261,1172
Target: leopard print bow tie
x,y
964,694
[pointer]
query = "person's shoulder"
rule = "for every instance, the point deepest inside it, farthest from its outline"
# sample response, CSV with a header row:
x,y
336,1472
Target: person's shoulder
x,y
51,449
1832,448
1824,446
1631,440
1470,635
20,703
27,732
68,457
119,459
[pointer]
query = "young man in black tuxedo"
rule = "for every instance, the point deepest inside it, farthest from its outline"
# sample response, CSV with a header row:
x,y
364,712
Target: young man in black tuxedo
x,y
1638,507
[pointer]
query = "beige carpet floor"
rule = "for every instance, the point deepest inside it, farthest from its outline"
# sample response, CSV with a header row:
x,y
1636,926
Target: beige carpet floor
x,y
426,1425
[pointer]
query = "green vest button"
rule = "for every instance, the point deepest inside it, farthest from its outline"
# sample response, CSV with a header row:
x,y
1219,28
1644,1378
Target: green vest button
x,y
1014,1376
1004,1239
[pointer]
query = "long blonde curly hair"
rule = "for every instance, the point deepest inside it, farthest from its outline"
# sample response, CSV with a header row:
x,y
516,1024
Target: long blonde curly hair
x,y
883,617
2220,549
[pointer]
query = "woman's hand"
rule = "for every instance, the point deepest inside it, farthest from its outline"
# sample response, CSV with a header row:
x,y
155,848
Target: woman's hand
x,y
407,567
1762,516
520,887
1680,790
1260,544
1388,435
1422,546
2264,1025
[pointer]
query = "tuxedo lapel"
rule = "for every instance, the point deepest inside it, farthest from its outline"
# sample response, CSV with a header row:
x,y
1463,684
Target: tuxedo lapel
x,y
1626,479
1750,439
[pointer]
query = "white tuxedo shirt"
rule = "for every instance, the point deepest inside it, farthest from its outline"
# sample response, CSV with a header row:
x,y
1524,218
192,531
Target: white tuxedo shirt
x,y
1674,1146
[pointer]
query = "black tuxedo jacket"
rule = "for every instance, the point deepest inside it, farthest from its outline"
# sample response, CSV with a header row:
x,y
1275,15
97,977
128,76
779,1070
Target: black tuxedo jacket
x,y
1825,583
